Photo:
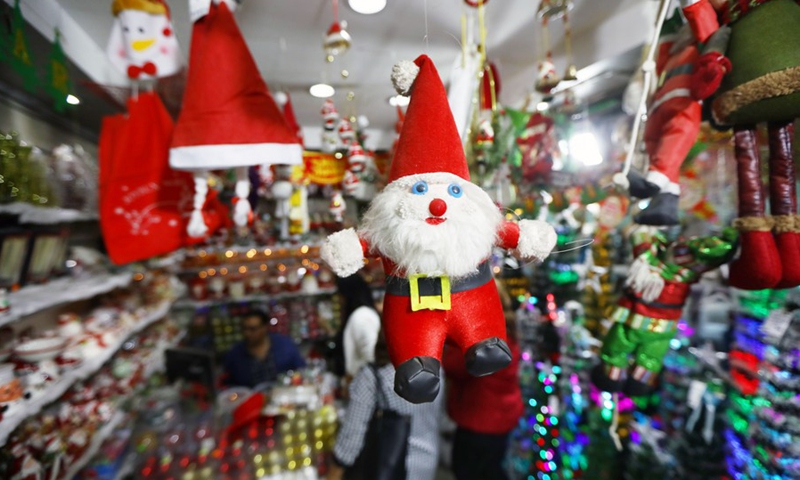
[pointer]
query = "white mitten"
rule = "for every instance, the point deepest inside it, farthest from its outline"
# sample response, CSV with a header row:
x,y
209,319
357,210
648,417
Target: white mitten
x,y
536,239
343,252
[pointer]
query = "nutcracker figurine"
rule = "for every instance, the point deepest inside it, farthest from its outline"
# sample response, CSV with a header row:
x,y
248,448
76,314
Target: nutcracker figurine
x,y
647,314
689,73
763,85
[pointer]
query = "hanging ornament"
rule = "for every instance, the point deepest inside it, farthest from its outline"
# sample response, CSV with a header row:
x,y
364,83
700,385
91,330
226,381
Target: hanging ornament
x,y
346,133
337,207
547,78
59,84
337,40
20,54
330,117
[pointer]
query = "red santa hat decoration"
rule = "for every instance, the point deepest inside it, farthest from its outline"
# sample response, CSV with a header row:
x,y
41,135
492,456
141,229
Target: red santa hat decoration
x,y
229,119
435,231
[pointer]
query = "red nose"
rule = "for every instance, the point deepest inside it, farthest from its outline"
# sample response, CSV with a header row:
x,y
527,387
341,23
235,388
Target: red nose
x,y
437,207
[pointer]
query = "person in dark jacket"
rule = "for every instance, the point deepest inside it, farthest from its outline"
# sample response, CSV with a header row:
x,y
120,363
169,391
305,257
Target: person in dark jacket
x,y
261,356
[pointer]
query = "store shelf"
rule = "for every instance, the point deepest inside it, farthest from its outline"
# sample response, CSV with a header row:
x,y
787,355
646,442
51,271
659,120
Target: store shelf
x,y
97,441
35,298
87,369
29,213
190,303
155,364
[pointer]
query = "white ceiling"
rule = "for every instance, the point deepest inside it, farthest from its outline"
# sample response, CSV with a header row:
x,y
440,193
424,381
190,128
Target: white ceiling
x,y
285,37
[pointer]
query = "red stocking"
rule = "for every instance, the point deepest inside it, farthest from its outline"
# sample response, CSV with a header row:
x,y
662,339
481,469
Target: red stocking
x,y
783,201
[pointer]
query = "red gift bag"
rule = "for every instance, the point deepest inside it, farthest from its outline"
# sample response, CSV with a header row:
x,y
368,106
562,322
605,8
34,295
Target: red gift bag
x,y
144,204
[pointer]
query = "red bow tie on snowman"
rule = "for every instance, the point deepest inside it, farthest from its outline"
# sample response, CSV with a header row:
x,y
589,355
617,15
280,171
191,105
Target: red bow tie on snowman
x,y
435,231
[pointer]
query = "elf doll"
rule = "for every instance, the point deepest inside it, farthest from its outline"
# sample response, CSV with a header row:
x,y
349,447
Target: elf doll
x,y
763,85
647,314
435,231
689,73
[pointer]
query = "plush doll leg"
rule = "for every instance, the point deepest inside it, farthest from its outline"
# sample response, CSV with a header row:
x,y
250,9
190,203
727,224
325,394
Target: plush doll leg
x,y
415,341
649,359
759,265
618,344
477,324
783,202
677,136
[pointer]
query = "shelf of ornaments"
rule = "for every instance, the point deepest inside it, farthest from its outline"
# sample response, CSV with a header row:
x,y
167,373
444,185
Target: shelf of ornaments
x,y
261,297
153,364
34,298
86,369
44,215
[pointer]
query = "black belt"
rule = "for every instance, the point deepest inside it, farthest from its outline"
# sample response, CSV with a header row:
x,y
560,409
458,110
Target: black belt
x,y
667,306
432,286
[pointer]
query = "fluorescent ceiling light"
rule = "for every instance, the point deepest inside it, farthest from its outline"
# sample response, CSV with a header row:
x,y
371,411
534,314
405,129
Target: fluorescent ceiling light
x,y
367,7
584,148
321,90
399,101
73,100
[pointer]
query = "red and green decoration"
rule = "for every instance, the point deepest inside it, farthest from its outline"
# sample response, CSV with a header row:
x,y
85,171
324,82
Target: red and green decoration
x,y
20,54
59,84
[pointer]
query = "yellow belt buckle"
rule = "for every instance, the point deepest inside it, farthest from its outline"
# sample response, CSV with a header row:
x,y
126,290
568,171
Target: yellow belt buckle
x,y
428,302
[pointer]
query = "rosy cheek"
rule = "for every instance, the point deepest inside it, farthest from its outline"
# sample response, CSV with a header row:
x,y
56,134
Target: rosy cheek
x,y
164,50
121,52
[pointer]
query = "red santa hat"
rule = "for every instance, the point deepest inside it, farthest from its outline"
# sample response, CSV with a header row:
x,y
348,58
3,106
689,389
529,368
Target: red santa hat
x,y
284,101
228,119
429,141
328,110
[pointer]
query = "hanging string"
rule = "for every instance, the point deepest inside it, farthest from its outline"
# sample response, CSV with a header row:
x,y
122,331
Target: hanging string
x,y
336,11
426,26
482,31
463,39
567,37
648,67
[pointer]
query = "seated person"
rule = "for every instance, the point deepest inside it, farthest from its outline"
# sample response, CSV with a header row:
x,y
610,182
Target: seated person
x,y
261,356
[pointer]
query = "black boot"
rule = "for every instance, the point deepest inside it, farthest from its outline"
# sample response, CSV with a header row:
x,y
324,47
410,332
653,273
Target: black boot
x,y
640,187
605,383
663,210
487,357
417,380
636,388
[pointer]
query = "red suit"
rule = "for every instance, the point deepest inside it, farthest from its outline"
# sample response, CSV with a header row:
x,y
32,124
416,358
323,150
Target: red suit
x,y
687,75
402,325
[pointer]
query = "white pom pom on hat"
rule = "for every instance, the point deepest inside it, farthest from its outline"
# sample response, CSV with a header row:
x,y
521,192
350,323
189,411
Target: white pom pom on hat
x,y
403,75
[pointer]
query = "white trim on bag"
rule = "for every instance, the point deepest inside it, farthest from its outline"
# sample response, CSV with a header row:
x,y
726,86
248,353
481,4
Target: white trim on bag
x,y
212,157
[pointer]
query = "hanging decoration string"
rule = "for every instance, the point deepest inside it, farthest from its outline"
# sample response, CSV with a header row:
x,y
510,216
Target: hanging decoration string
x,y
336,11
426,26
464,50
648,68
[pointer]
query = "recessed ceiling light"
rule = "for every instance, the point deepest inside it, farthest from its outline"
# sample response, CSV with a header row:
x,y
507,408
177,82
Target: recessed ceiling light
x,y
73,100
399,101
367,7
321,90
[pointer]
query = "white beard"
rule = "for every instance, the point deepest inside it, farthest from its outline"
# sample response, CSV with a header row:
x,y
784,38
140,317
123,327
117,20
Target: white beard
x,y
395,227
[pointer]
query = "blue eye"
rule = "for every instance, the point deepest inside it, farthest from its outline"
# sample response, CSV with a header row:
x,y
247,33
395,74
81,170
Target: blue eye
x,y
455,190
419,188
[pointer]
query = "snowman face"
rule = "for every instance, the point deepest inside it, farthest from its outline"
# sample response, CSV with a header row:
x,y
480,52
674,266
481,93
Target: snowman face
x,y
139,38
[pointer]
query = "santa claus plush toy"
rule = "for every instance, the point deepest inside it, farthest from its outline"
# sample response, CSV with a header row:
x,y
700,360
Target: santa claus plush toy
x,y
435,231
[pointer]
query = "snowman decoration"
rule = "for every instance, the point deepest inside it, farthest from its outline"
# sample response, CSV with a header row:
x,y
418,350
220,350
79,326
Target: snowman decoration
x,y
435,232
143,42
